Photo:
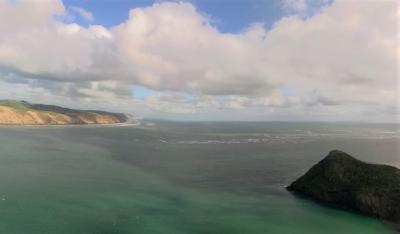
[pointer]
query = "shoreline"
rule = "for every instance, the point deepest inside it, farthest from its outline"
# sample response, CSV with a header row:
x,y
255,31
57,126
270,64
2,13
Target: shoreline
x,y
126,123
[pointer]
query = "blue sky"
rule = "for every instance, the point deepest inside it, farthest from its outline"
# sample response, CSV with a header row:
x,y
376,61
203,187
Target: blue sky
x,y
229,16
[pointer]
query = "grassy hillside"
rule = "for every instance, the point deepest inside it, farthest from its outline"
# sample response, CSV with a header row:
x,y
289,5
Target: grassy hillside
x,y
18,105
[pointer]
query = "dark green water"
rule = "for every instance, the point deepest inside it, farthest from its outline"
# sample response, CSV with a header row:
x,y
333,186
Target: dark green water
x,y
171,178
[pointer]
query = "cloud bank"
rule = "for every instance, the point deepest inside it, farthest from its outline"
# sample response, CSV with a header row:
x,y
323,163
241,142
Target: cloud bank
x,y
337,64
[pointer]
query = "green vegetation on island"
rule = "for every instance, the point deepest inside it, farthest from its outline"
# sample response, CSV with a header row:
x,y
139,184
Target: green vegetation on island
x,y
345,182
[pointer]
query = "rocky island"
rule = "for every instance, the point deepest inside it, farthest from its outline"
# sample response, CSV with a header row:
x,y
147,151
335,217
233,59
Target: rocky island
x,y
345,182
24,113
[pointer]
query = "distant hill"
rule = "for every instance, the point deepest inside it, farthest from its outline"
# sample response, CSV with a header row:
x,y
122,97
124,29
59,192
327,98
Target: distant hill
x,y
24,113
341,180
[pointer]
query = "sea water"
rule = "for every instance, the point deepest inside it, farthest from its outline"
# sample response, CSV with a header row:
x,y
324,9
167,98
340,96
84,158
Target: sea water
x,y
172,178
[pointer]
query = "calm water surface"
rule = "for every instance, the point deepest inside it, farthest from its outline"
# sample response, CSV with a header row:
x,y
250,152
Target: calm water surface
x,y
173,178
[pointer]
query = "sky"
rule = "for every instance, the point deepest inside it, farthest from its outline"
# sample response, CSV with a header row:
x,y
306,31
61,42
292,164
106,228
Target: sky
x,y
225,60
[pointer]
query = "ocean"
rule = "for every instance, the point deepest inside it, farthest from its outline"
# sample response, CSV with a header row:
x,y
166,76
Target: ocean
x,y
179,178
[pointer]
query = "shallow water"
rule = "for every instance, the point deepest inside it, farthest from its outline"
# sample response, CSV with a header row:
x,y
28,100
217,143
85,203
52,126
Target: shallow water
x,y
163,177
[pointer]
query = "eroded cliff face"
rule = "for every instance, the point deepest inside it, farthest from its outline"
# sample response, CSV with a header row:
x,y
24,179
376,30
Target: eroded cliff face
x,y
13,116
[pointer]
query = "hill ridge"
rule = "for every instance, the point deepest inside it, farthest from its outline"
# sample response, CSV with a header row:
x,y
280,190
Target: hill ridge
x,y
14,112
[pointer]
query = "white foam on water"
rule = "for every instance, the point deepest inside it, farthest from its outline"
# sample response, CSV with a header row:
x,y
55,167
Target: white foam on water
x,y
296,137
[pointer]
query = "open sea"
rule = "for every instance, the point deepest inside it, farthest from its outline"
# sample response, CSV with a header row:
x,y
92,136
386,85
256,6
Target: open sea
x,y
179,178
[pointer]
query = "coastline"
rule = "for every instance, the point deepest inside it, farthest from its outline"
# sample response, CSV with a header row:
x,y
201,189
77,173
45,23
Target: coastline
x,y
121,124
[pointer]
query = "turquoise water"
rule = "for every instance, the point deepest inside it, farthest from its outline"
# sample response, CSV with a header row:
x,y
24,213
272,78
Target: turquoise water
x,y
176,178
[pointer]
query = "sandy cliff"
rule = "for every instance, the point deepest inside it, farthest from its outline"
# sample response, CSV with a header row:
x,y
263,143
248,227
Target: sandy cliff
x,y
23,113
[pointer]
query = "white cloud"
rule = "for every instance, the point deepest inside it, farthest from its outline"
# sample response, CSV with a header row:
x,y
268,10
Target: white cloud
x,y
304,8
342,61
291,6
87,15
